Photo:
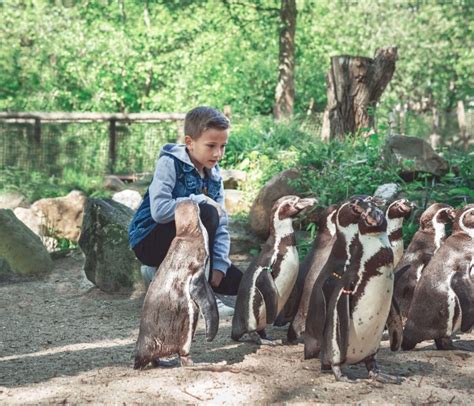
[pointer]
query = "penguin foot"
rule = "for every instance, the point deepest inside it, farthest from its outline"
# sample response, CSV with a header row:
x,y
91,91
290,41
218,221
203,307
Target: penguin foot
x,y
186,361
384,378
445,343
340,377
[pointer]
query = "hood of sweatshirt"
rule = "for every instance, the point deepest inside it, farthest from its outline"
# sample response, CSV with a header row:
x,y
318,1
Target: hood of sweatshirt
x,y
180,152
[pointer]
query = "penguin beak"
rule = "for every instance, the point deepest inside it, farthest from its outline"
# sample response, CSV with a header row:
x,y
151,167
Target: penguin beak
x,y
302,204
373,217
451,214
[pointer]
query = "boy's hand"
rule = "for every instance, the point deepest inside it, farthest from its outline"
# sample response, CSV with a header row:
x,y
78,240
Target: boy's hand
x,y
216,278
216,205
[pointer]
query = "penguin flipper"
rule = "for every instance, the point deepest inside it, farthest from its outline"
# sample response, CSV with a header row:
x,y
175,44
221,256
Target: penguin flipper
x,y
399,272
336,332
266,285
395,326
202,294
315,322
464,290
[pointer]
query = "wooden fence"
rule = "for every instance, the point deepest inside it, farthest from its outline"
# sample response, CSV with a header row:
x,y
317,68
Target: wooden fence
x,y
37,118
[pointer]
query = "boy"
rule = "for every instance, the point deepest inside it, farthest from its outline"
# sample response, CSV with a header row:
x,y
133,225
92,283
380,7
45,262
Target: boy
x,y
188,170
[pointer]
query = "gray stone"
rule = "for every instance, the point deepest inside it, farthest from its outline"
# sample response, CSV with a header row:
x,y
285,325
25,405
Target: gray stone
x,y
5,270
129,198
232,178
276,187
414,155
112,182
21,248
12,200
110,263
242,240
387,192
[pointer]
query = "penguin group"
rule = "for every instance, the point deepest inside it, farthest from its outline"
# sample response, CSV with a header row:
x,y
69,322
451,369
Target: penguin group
x,y
355,282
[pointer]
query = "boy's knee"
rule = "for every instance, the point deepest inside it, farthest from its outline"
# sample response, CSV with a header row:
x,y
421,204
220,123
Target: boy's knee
x,y
209,216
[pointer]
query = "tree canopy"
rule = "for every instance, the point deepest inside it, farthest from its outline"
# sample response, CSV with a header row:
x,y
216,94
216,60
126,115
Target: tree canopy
x,y
158,55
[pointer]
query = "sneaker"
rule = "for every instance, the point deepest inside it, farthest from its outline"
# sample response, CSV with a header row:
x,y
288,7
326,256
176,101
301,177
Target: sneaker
x,y
148,272
223,309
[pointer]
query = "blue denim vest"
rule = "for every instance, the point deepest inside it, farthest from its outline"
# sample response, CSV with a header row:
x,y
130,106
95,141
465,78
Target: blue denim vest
x,y
188,181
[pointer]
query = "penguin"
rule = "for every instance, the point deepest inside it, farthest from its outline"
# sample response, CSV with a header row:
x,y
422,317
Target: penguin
x,y
269,280
361,302
309,271
396,212
426,241
443,301
177,293
347,217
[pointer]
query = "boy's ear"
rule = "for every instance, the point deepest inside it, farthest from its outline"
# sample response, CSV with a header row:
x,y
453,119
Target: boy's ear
x,y
188,141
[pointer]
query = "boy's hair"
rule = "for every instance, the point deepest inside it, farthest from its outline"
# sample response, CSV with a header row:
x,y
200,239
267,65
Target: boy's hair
x,y
203,118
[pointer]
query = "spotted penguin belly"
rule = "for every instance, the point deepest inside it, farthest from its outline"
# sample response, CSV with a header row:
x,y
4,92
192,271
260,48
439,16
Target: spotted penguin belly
x,y
369,317
454,313
287,277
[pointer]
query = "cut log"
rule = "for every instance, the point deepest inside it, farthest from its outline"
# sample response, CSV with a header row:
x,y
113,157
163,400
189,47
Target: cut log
x,y
355,84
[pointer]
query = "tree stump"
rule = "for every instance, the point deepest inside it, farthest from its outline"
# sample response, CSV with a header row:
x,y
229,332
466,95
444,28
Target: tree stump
x,y
355,84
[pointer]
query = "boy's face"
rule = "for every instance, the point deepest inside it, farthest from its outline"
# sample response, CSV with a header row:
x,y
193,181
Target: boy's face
x,y
207,150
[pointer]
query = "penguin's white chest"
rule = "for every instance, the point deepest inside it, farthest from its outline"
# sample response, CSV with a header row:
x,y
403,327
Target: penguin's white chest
x,y
397,247
287,276
369,317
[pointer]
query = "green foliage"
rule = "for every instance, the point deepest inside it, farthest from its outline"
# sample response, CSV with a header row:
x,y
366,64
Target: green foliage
x,y
172,56
35,185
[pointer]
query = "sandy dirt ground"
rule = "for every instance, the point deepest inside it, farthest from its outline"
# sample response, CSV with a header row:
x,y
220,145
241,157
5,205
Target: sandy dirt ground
x,y
65,342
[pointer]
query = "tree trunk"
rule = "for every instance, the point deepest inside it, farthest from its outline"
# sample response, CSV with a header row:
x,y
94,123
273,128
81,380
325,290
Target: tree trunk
x,y
355,85
285,89
463,135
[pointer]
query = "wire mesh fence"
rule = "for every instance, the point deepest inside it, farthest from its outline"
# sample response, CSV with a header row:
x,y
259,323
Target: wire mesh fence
x,y
83,147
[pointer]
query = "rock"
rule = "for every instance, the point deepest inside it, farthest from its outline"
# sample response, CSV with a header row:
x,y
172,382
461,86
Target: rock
x,y
33,219
387,192
414,155
242,241
112,182
5,270
234,201
232,178
63,215
12,200
22,248
110,263
129,198
275,188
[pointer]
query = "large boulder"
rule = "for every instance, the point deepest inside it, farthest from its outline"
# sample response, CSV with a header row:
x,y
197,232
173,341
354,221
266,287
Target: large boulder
x,y
387,191
12,200
234,201
413,155
129,198
232,178
110,263
63,215
278,186
33,219
21,248
5,270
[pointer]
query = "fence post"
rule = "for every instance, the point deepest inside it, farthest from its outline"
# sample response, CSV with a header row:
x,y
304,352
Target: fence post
x,y
112,145
37,131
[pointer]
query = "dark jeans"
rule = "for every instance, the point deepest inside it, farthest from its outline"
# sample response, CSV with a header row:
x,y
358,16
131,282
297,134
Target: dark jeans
x,y
153,248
